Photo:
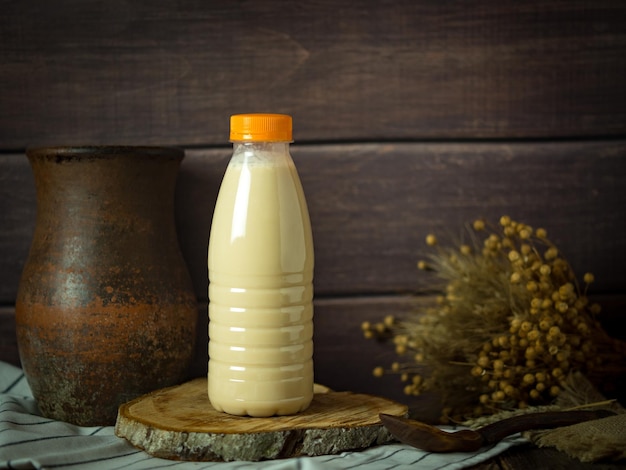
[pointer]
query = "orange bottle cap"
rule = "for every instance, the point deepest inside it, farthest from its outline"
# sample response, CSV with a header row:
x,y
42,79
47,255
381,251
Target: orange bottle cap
x,y
261,128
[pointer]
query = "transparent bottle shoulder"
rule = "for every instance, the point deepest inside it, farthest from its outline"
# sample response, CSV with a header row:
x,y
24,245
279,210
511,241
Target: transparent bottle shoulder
x,y
261,153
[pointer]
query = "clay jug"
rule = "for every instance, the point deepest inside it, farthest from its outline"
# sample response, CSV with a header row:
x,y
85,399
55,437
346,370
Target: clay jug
x,y
105,309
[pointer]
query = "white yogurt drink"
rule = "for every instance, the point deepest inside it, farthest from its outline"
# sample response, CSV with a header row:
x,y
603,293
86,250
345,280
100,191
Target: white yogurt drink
x,y
260,262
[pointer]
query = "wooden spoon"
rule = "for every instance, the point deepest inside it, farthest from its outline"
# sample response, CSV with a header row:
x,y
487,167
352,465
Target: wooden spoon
x,y
432,439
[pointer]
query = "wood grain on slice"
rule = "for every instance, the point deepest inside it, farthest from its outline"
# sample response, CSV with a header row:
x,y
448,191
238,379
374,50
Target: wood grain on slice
x,y
180,423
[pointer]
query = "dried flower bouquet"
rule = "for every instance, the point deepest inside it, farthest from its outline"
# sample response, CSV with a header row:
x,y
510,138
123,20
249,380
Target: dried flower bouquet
x,y
512,324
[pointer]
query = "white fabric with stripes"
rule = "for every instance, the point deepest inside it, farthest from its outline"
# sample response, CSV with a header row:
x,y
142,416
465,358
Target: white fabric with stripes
x,y
30,441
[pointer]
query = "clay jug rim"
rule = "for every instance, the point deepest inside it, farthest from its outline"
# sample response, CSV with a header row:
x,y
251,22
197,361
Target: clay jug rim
x,y
104,151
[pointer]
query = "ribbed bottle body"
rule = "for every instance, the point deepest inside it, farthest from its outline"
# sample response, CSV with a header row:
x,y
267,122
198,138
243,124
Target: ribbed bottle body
x,y
260,264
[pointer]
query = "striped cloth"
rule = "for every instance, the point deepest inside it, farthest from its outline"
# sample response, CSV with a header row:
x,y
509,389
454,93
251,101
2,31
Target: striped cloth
x,y
30,441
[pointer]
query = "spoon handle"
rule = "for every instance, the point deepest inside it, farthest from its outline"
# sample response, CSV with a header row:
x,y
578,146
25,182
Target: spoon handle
x,y
495,432
432,439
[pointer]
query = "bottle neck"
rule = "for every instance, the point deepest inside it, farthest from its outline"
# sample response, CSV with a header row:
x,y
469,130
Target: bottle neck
x,y
273,147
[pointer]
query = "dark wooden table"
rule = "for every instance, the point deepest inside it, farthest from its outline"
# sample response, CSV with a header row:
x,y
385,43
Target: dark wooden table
x,y
531,457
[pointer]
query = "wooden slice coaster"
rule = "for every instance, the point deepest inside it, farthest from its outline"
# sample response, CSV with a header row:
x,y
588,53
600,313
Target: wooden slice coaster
x,y
180,423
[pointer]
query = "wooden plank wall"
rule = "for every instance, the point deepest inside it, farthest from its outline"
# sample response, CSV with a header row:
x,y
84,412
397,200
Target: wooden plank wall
x,y
410,117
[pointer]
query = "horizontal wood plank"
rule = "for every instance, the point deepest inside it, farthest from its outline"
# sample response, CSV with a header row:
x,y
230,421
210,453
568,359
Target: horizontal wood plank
x,y
372,206
343,358
8,338
171,73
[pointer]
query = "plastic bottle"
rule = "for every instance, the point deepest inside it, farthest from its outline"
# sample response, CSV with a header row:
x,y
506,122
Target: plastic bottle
x,y
260,262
